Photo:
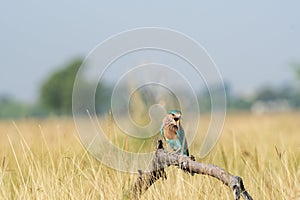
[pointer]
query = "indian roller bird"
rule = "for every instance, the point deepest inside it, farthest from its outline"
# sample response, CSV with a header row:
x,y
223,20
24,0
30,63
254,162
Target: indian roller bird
x,y
173,133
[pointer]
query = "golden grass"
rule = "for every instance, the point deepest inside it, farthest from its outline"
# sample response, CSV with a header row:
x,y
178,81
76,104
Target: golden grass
x,y
43,159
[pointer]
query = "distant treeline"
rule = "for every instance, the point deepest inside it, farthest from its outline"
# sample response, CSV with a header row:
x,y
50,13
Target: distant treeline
x,y
55,97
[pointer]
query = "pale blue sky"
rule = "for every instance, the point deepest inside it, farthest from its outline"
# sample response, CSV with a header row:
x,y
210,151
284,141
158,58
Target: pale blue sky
x,y
252,42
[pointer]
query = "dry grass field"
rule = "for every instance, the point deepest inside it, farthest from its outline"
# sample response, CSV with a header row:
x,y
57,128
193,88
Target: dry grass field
x,y
43,159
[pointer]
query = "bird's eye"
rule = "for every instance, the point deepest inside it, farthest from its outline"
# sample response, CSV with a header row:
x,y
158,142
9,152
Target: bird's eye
x,y
172,114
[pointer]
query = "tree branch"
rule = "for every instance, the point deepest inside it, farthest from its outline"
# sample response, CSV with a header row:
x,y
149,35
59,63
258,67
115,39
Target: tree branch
x,y
163,159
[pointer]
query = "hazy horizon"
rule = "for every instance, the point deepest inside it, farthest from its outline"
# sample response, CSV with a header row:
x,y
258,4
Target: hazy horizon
x,y
252,43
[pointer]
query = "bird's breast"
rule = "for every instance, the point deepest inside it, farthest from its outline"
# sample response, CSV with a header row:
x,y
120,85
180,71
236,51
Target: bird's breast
x,y
170,133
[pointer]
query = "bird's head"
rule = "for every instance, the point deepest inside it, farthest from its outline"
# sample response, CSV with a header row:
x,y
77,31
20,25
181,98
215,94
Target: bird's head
x,y
176,116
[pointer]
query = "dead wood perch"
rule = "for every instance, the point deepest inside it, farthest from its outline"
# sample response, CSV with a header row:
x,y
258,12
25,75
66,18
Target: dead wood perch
x,y
162,159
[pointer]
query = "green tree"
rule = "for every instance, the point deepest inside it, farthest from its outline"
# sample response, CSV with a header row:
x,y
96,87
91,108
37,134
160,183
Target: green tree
x,y
297,70
56,91
9,108
267,93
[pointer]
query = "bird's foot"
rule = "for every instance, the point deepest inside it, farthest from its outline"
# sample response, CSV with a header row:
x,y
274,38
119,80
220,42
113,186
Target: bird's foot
x,y
192,158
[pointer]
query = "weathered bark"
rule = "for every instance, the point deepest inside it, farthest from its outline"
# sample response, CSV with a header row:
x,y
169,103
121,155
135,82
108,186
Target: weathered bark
x,y
162,159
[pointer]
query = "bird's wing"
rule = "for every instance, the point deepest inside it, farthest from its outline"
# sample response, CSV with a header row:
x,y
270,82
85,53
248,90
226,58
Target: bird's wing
x,y
180,133
182,139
